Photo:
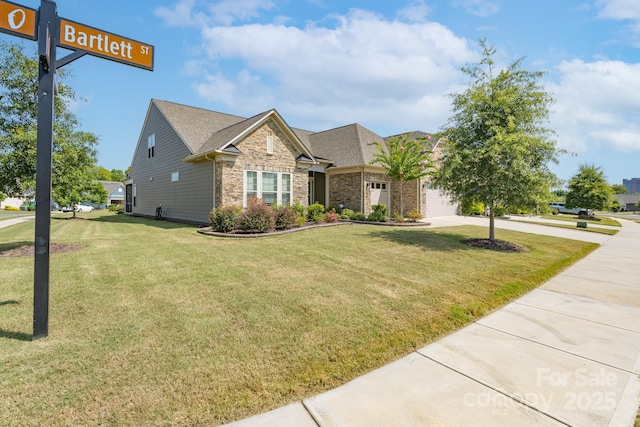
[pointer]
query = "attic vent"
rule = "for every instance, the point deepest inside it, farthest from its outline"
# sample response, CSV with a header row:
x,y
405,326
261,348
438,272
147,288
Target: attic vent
x,y
269,142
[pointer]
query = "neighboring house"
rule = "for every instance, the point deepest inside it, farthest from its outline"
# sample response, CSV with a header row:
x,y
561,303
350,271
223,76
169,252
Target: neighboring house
x,y
115,192
14,202
189,160
628,202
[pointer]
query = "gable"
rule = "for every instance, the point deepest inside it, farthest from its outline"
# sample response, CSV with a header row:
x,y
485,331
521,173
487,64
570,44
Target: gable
x,y
228,140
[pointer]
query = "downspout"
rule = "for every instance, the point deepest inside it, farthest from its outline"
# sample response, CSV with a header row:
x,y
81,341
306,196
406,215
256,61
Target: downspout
x,y
213,161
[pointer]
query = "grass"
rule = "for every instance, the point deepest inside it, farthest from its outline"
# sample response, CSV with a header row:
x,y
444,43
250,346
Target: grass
x,y
574,218
608,231
154,324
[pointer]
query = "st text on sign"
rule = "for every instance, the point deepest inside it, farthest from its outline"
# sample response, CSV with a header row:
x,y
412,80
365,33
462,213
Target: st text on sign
x,y
104,44
17,20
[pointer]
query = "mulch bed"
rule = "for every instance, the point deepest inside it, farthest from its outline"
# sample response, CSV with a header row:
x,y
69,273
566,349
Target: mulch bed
x,y
29,250
494,245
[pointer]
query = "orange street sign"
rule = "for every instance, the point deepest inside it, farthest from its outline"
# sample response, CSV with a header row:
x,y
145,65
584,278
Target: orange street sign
x,y
104,44
17,20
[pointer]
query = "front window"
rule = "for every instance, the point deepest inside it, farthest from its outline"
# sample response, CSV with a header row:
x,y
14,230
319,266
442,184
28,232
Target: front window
x,y
286,189
270,188
274,188
252,185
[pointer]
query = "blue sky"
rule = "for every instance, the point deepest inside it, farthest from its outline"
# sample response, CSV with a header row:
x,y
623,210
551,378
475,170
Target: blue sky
x,y
388,65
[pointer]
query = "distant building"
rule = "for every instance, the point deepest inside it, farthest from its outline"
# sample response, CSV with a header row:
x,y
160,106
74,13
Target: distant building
x,y
632,185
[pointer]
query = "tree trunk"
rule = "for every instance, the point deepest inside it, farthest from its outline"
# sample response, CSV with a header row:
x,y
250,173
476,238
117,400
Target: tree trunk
x,y
492,228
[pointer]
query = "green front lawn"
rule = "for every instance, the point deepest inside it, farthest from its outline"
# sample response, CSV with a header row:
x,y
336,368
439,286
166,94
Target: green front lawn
x,y
608,231
574,218
154,324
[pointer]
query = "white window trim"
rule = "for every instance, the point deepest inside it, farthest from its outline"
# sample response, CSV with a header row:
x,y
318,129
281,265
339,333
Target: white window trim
x,y
259,186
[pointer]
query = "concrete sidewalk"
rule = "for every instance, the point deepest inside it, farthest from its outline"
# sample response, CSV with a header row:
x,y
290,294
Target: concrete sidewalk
x,y
567,353
7,222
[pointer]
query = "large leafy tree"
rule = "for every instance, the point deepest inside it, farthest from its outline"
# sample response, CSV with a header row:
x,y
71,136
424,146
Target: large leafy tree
x,y
498,146
403,158
618,189
74,152
589,189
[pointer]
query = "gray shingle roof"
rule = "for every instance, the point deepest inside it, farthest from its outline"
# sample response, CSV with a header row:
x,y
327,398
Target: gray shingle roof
x,y
205,131
223,137
195,125
111,186
346,146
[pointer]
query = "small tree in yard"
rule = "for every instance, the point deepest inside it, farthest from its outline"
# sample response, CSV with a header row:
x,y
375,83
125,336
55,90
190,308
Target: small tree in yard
x,y
589,189
498,149
404,159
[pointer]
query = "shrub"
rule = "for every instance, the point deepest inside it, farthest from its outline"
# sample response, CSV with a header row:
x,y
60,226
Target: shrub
x,y
31,208
359,216
286,217
257,217
397,216
379,213
225,219
336,209
346,214
319,217
116,208
11,208
554,211
316,211
298,208
472,208
414,215
499,210
331,216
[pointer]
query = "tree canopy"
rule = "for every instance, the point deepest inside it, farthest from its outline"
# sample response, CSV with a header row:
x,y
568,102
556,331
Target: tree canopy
x,y
74,152
589,189
618,189
404,159
498,147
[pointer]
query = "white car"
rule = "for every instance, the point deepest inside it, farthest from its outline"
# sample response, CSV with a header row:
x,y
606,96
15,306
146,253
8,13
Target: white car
x,y
83,208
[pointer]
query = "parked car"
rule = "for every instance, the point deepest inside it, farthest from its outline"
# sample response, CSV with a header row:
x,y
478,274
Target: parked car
x,y
83,208
561,208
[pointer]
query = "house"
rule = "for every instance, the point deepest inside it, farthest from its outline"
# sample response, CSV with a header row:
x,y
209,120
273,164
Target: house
x,y
189,160
628,202
115,192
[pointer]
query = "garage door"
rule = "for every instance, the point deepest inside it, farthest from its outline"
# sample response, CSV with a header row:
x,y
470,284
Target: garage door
x,y
439,204
379,194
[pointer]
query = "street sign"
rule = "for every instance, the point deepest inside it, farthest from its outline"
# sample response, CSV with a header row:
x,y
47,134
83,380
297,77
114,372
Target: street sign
x,y
54,31
17,20
105,45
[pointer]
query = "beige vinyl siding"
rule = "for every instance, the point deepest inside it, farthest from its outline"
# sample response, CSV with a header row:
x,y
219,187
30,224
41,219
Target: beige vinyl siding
x,y
188,199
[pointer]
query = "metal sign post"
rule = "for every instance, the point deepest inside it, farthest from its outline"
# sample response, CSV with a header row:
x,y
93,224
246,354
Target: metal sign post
x,y
47,31
45,27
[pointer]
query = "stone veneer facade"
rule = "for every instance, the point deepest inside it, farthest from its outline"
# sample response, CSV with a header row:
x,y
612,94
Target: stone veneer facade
x,y
347,189
229,174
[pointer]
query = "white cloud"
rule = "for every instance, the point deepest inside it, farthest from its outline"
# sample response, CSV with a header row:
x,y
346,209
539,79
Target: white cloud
x,y
417,11
225,12
228,11
620,9
481,8
180,15
390,76
598,106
